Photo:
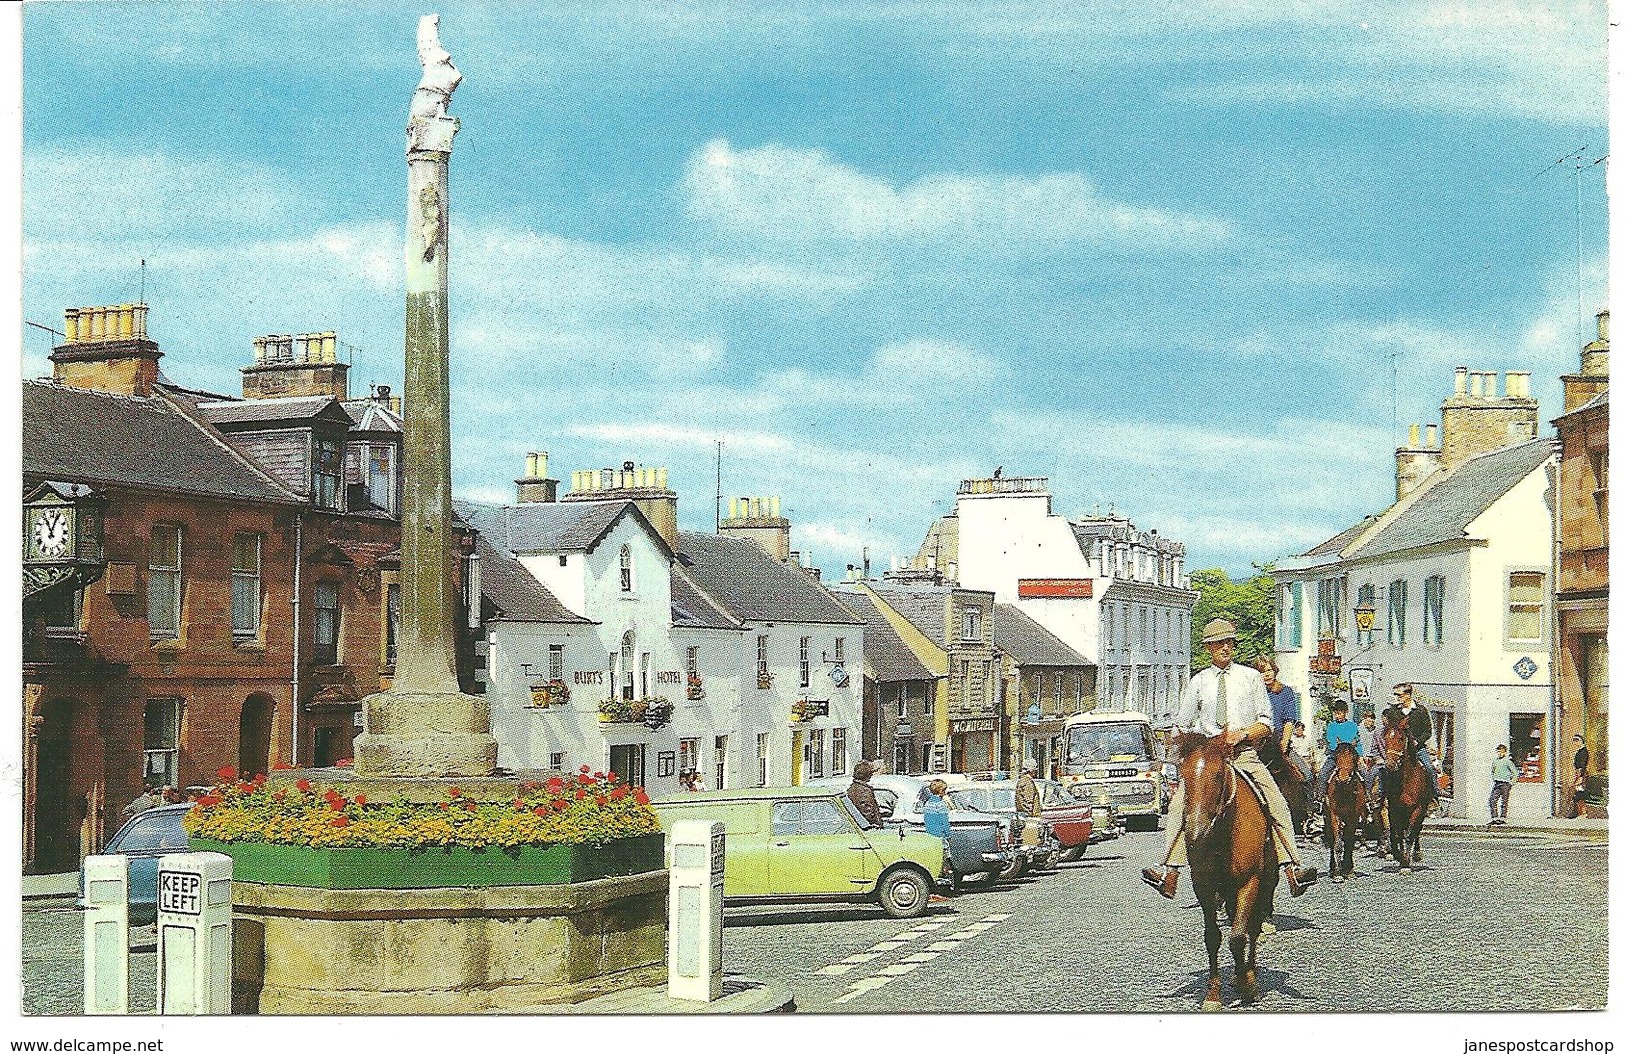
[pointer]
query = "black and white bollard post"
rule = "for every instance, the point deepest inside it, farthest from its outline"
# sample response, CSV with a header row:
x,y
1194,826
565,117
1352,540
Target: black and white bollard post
x,y
694,921
194,934
107,934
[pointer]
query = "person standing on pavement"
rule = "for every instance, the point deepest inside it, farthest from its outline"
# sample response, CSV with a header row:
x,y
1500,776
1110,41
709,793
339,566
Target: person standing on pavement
x,y
1502,774
1582,769
1229,700
935,808
1283,699
862,795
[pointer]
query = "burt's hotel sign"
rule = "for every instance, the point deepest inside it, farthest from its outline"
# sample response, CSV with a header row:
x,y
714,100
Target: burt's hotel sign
x,y
1068,588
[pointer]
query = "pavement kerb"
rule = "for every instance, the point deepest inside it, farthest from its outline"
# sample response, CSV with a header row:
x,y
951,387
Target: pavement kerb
x,y
36,887
740,995
1588,830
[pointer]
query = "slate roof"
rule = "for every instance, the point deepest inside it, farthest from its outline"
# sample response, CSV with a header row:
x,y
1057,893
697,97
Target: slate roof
x,y
1600,399
925,608
266,411
885,655
93,437
548,527
513,593
691,608
752,586
1443,511
1335,544
1018,636
372,415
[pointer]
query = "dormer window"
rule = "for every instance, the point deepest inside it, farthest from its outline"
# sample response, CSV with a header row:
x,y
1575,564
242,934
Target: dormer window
x,y
327,469
381,476
970,627
626,569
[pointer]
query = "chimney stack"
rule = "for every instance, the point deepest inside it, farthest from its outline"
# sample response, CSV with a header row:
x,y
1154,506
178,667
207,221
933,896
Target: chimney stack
x,y
1592,380
106,350
534,485
644,487
1416,462
288,366
758,519
1478,418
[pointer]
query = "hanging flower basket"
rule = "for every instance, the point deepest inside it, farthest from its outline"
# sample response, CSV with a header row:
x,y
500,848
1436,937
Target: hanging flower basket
x,y
764,681
696,687
657,712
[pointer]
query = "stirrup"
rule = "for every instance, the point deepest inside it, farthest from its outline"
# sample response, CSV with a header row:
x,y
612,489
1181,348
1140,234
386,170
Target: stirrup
x,y
1300,878
1164,880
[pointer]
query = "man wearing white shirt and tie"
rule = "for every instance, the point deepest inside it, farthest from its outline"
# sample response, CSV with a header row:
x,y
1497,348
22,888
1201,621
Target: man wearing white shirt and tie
x,y
1229,699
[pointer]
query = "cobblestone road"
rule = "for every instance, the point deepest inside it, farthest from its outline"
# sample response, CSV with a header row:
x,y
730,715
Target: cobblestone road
x,y
1504,922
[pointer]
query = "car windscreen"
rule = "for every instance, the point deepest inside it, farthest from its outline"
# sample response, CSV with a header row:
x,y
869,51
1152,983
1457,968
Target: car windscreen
x,y
1093,743
154,830
984,799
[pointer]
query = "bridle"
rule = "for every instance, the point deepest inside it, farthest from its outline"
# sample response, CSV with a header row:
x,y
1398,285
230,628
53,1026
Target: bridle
x,y
1229,798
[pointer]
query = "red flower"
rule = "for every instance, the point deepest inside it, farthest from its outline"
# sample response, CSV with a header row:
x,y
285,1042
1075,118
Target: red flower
x,y
588,781
598,799
445,805
280,795
225,773
279,766
527,786
580,795
341,821
336,804
540,810
559,806
598,775
642,798
586,769
303,785
259,781
209,801
555,786
455,792
610,777
618,794
470,806
360,799
343,763
245,788
331,794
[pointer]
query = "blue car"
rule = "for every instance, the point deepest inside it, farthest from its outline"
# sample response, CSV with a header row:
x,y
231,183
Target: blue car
x,y
144,838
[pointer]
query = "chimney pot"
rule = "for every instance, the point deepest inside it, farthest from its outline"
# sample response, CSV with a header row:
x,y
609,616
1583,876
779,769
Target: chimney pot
x,y
1461,380
1416,435
1433,437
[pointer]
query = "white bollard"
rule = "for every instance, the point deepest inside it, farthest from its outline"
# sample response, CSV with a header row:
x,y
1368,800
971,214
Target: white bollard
x,y
107,934
194,934
694,922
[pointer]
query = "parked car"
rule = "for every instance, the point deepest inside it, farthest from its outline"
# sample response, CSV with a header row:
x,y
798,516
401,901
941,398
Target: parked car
x,y
980,847
1072,821
810,844
998,797
1108,824
144,838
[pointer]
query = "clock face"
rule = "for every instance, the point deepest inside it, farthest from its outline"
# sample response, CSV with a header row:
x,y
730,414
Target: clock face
x,y
52,533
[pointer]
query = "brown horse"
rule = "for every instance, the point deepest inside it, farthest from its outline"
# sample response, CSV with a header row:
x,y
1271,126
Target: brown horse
x,y
1344,807
1232,859
1407,792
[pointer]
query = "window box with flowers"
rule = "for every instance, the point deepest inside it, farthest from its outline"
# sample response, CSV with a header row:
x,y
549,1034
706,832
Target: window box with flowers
x,y
579,828
553,693
654,712
696,687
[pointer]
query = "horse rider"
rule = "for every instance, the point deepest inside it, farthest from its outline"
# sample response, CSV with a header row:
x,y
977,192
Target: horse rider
x,y
1339,730
1229,699
1418,727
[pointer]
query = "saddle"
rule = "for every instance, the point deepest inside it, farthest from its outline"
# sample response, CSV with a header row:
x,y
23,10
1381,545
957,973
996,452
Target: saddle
x,y
1258,792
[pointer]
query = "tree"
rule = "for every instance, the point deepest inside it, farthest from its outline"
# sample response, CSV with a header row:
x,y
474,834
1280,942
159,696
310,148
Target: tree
x,y
1250,604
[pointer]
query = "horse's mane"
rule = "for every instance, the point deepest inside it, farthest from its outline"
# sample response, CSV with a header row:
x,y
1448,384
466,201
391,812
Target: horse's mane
x,y
1188,743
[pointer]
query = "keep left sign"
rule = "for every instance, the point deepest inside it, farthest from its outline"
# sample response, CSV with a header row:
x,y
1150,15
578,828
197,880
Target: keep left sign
x,y
180,892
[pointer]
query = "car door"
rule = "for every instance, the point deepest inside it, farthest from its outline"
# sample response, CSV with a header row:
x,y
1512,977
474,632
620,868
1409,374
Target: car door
x,y
816,848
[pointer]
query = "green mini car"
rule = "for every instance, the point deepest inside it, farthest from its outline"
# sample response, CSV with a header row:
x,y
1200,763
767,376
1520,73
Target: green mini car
x,y
810,844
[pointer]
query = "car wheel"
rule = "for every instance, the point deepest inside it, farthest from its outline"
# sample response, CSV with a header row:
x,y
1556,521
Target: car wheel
x,y
1014,870
905,893
1072,854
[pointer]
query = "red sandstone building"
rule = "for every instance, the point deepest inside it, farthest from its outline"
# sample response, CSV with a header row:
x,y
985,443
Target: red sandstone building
x,y
193,564
1581,659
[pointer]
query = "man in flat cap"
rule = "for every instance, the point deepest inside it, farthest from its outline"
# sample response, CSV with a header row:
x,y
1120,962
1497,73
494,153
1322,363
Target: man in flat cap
x,y
1228,699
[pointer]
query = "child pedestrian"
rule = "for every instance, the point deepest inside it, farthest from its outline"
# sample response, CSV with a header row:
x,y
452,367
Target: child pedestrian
x,y
1502,773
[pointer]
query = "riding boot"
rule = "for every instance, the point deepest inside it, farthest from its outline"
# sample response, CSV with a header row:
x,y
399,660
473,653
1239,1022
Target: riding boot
x,y
1300,878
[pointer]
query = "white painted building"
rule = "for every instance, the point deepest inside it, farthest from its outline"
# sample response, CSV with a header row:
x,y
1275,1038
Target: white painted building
x,y
1117,595
679,654
1458,571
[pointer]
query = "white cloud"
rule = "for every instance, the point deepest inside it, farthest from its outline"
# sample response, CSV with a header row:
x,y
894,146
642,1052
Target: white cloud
x,y
780,193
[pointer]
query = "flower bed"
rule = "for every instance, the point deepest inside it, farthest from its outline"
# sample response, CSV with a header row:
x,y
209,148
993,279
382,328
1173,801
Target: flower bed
x,y
583,809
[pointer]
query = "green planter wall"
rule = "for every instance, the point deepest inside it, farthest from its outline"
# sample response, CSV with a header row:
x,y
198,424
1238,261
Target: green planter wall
x,y
437,866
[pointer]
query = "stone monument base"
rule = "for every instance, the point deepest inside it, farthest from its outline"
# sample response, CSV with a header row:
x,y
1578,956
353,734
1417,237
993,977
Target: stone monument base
x,y
425,735
298,950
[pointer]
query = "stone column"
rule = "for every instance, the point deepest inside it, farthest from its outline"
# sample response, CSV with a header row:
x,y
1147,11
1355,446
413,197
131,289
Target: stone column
x,y
423,726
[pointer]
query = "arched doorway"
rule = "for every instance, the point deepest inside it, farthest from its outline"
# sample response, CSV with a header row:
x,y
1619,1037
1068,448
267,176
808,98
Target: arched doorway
x,y
58,811
254,736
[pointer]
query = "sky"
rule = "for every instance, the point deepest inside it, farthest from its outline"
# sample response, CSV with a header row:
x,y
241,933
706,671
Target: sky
x,y
1189,261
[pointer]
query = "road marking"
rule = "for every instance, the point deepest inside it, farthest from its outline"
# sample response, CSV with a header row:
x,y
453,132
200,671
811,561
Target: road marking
x,y
868,984
931,925
908,935
923,957
839,968
899,969
964,934
886,946
942,946
995,918
861,957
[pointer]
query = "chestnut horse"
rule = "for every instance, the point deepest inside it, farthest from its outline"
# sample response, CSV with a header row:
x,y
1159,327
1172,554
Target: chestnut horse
x,y
1407,792
1232,859
1344,808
